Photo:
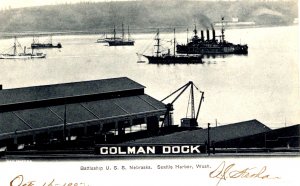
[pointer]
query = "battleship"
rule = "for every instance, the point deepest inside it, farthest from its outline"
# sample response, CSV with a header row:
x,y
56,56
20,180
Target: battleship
x,y
168,58
211,46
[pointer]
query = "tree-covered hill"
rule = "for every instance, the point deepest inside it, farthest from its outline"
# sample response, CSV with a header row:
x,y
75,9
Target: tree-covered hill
x,y
143,15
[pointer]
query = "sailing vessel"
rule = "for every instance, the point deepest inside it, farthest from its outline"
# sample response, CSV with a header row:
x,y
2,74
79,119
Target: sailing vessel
x,y
198,45
16,55
115,41
36,44
168,58
104,38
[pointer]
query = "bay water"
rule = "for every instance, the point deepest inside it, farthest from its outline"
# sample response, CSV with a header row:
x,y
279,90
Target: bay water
x,y
262,85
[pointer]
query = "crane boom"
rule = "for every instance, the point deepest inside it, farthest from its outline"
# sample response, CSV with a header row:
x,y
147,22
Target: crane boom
x,y
192,102
201,100
184,86
194,117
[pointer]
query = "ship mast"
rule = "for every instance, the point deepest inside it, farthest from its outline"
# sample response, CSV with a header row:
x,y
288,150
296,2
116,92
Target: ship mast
x,y
222,31
122,32
195,30
158,43
128,32
174,43
15,46
187,35
114,32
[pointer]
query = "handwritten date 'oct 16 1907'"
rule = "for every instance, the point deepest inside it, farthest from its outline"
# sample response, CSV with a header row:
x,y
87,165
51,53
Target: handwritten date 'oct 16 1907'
x,y
19,181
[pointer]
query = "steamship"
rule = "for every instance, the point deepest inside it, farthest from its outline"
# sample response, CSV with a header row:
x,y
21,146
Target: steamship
x,y
200,45
21,55
36,44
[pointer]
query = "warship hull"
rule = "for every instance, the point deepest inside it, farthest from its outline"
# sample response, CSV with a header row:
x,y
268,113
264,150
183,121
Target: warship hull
x,y
212,49
174,59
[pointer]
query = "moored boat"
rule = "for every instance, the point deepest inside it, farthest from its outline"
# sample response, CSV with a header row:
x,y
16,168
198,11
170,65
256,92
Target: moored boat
x,y
116,41
168,58
21,55
36,44
104,38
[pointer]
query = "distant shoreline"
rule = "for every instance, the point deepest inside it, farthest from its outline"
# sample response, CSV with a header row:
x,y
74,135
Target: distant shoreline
x,y
133,31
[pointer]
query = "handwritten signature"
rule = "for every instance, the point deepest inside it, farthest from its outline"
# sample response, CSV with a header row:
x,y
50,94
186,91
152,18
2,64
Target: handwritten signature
x,y
224,172
19,181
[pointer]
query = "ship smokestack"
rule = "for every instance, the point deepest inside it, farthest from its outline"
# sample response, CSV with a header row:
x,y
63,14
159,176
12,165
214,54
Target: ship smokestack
x,y
207,34
202,35
213,32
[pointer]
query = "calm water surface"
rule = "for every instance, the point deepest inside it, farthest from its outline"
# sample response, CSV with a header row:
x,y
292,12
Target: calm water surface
x,y
263,85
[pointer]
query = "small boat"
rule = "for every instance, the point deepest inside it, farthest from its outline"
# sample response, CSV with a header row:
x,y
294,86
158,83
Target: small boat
x,y
168,58
17,55
36,44
115,41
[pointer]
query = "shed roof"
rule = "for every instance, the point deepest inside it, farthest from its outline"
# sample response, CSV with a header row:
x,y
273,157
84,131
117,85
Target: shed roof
x,y
100,110
55,91
221,133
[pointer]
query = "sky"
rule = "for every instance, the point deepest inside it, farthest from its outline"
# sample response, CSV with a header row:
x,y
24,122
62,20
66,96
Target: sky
x,y
5,4
28,3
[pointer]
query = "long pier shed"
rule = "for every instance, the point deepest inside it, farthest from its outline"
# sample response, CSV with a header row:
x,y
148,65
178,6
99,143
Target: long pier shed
x,y
40,114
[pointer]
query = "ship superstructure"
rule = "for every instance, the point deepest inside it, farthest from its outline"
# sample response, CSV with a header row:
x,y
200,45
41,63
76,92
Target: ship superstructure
x,y
213,45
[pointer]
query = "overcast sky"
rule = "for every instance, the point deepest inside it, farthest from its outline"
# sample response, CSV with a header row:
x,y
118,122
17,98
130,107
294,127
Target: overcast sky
x,y
28,3
4,4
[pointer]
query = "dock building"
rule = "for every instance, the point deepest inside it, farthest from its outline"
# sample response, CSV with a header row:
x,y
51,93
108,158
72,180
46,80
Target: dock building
x,y
98,110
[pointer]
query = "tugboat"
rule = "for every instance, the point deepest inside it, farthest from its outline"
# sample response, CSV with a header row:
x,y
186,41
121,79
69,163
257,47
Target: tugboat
x,y
115,41
24,55
168,58
211,46
37,44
